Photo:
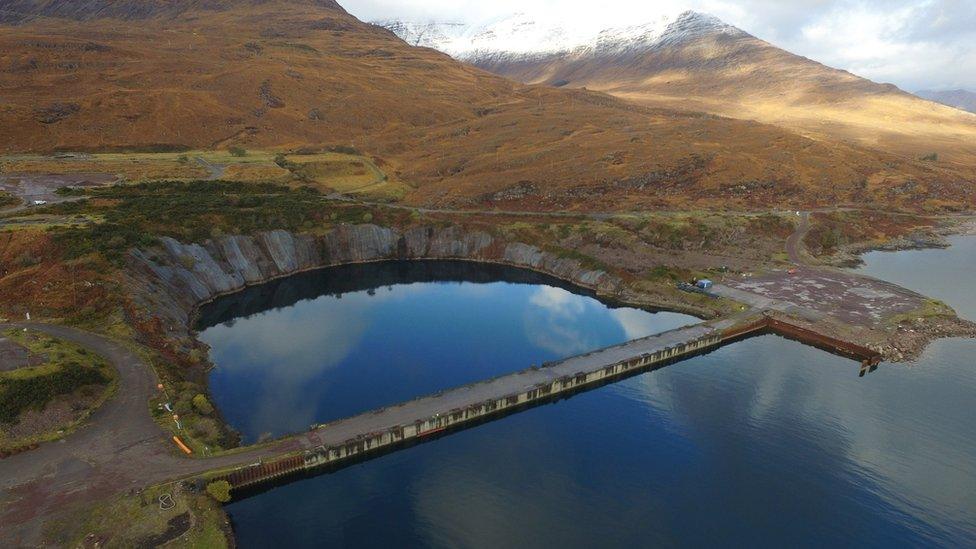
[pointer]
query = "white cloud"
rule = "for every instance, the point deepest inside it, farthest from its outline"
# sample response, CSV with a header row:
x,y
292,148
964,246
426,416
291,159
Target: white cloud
x,y
558,301
300,343
637,323
912,43
555,322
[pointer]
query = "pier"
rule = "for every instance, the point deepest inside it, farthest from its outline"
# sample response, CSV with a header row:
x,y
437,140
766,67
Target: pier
x,y
386,429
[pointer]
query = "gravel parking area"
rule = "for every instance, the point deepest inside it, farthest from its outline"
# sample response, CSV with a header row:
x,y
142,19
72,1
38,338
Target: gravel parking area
x,y
856,300
42,187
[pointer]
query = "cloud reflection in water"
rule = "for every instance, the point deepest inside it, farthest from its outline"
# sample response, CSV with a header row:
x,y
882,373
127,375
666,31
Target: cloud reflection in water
x,y
336,355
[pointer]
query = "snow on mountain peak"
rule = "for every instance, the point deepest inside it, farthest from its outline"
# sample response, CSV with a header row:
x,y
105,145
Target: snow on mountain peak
x,y
523,35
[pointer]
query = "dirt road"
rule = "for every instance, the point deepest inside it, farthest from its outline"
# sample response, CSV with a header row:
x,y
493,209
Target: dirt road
x,y
34,483
120,449
216,170
794,244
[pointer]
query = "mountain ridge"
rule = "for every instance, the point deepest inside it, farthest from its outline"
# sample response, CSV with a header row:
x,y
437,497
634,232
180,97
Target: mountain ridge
x,y
521,35
257,76
959,98
697,62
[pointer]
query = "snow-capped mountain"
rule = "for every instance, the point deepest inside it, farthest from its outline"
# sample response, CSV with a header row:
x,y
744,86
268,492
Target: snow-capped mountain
x,y
695,62
428,35
520,35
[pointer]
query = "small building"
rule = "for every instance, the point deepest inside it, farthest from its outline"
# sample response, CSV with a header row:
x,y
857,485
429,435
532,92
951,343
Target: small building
x,y
704,284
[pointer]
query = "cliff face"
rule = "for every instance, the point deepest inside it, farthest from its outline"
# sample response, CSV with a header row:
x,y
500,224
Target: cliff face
x,y
169,282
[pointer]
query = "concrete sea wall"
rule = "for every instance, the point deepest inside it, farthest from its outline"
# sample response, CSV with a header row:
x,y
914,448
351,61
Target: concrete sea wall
x,y
387,429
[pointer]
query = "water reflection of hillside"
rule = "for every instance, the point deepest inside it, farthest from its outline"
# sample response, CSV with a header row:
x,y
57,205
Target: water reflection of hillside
x,y
336,281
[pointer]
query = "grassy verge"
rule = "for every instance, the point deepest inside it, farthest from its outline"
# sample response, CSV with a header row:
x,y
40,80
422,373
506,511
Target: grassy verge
x,y
67,371
345,173
832,231
342,170
930,308
175,514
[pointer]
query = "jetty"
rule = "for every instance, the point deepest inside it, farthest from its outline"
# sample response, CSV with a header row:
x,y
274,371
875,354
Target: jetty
x,y
386,429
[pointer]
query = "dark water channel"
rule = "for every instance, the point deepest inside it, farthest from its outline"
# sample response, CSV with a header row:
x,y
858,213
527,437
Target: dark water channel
x,y
766,442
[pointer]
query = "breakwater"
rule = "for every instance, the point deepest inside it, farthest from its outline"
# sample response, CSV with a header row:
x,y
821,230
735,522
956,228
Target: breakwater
x,y
384,430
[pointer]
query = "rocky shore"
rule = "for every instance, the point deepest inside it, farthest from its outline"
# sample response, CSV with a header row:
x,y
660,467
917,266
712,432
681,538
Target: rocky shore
x,y
850,256
171,281
910,339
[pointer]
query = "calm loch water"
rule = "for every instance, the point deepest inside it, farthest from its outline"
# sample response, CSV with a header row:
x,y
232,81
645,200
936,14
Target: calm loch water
x,y
766,442
335,343
947,275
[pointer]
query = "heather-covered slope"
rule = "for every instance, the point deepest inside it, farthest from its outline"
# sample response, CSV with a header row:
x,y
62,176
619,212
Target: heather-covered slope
x,y
300,73
695,61
22,11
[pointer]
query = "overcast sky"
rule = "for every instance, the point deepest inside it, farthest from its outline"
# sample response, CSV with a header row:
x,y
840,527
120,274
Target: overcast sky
x,y
915,44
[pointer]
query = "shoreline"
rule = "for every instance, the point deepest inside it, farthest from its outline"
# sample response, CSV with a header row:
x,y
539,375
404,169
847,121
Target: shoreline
x,y
850,256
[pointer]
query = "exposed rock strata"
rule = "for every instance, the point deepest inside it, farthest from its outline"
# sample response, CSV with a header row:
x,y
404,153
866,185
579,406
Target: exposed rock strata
x,y
173,279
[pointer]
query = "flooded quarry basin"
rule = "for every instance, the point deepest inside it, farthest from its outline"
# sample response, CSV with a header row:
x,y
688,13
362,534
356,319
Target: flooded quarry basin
x,y
766,441
331,344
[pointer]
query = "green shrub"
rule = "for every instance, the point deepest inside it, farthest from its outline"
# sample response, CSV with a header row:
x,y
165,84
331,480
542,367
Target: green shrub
x,y
237,151
206,430
202,405
188,211
219,490
7,200
19,395
661,271
345,149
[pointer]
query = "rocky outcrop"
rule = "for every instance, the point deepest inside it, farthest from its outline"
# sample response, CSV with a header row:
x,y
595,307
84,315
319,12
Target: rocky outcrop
x,y
170,281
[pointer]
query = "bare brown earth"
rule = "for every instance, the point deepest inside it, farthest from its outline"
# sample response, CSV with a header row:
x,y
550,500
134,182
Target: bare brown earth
x,y
738,75
289,74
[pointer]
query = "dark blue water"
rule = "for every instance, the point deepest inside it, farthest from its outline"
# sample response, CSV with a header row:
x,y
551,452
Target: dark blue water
x,y
766,442
332,344
946,274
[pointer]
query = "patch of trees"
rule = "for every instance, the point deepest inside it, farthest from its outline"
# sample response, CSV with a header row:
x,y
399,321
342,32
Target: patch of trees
x,y
21,394
134,216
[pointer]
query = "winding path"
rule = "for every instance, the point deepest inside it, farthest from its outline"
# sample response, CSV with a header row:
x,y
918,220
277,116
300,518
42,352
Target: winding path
x,y
120,448
216,171
33,483
794,244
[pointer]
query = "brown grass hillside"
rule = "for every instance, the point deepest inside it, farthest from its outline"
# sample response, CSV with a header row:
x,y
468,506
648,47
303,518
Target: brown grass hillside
x,y
298,73
738,75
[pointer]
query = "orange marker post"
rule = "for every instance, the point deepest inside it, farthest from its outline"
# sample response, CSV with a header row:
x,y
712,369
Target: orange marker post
x,y
182,446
